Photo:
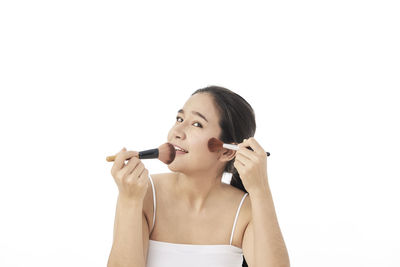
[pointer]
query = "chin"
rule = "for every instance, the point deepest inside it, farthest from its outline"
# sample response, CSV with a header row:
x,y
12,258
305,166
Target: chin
x,y
174,167
180,166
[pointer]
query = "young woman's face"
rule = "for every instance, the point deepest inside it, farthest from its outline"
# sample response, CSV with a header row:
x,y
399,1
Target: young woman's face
x,y
192,132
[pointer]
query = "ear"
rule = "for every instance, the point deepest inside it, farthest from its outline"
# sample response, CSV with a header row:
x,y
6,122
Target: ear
x,y
227,154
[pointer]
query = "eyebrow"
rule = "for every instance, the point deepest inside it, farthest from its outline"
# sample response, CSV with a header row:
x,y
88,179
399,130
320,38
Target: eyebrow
x,y
195,113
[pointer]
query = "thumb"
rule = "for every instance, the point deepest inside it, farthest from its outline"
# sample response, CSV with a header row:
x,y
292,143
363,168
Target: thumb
x,y
133,153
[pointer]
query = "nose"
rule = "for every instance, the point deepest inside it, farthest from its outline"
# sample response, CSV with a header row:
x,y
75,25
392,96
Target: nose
x,y
179,132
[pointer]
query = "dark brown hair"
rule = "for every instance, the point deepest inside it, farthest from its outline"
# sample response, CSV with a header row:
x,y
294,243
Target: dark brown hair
x,y
237,121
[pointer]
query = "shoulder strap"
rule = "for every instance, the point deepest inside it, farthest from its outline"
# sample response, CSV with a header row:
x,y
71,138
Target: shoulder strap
x,y
237,213
154,201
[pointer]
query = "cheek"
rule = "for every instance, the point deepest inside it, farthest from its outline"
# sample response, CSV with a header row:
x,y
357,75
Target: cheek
x,y
202,145
169,135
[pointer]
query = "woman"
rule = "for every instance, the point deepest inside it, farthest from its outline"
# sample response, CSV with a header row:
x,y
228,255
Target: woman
x,y
189,217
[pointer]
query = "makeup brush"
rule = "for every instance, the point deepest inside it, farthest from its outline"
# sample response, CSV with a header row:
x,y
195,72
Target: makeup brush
x,y
215,144
165,153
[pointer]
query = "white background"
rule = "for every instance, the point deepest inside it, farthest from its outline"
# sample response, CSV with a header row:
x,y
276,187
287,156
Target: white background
x,y
81,79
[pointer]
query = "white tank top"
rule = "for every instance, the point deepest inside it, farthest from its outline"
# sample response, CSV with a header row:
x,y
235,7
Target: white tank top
x,y
165,254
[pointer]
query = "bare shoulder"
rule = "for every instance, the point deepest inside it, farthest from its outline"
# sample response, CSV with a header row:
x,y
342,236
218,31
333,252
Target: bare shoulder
x,y
246,206
238,193
244,216
245,210
148,203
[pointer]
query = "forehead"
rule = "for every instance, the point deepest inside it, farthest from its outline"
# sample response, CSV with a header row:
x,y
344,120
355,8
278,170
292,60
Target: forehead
x,y
203,103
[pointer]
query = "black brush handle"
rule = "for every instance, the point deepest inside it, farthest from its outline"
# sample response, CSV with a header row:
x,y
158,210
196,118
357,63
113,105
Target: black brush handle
x,y
149,154
253,150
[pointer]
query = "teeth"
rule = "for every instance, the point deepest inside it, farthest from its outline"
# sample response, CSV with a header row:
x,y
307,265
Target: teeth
x,y
177,148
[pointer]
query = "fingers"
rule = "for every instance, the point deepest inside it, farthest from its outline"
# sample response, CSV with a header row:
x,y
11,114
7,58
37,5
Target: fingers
x,y
120,158
246,153
132,164
143,177
137,172
257,147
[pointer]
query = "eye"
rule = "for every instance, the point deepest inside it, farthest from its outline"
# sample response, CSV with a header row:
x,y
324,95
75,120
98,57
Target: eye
x,y
201,126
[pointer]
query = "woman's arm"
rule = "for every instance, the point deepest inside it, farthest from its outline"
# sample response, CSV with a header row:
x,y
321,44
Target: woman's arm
x,y
269,246
127,248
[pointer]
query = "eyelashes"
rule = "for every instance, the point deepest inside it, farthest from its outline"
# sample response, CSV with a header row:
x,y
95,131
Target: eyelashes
x,y
200,126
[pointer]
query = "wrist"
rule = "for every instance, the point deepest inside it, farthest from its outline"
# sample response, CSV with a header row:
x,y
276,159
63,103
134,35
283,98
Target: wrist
x,y
260,192
131,202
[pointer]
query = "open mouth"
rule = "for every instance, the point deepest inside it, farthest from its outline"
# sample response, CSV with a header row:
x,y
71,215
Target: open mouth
x,y
181,150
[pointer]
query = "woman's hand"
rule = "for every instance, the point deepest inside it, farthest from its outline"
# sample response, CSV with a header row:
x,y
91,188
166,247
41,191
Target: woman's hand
x,y
131,178
252,166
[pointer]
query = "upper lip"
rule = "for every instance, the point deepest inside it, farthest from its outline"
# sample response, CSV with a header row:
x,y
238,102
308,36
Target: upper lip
x,y
179,147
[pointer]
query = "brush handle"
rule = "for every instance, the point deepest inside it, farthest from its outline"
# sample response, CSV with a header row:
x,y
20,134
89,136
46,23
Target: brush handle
x,y
236,147
146,154
112,158
149,154
231,146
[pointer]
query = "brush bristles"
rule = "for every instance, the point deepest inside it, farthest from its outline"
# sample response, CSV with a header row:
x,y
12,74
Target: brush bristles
x,y
214,144
167,153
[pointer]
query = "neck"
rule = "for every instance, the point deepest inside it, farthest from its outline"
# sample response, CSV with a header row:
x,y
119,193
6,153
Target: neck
x,y
195,189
